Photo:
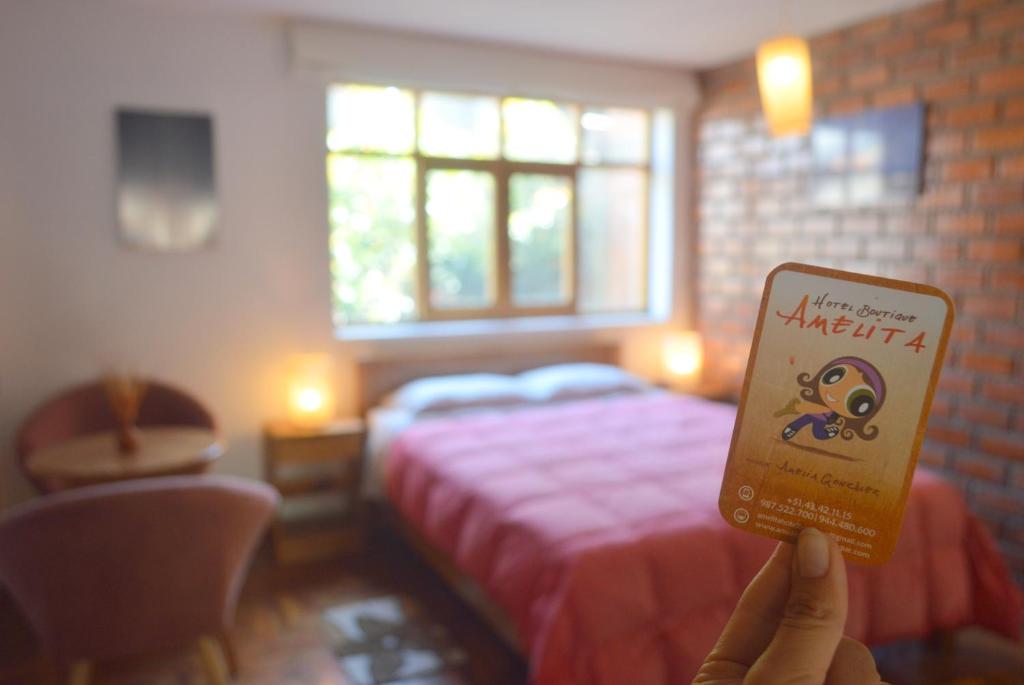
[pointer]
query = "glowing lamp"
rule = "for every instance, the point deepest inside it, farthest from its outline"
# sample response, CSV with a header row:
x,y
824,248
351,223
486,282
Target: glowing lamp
x,y
682,355
784,79
310,390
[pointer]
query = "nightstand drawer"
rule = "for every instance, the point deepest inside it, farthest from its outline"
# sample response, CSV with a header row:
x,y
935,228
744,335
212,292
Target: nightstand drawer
x,y
347,479
340,470
316,448
318,473
296,543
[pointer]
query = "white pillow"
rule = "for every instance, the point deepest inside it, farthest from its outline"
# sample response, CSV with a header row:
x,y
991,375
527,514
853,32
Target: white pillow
x,y
451,393
577,381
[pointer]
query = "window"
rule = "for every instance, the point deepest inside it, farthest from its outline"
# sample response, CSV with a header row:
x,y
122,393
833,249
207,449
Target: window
x,y
449,206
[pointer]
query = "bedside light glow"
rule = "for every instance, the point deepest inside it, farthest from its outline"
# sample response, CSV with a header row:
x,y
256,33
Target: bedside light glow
x,y
309,399
310,391
682,355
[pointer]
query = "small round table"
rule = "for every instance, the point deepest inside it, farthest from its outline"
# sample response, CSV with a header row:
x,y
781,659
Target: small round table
x,y
94,458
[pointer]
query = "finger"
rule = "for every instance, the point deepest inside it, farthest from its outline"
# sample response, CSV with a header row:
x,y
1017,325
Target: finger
x,y
812,619
852,664
753,622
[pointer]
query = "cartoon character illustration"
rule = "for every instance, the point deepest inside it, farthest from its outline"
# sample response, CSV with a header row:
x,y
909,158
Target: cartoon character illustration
x,y
838,400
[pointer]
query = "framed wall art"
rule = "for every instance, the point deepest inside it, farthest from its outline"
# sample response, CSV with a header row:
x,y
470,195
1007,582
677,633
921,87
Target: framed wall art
x,y
166,191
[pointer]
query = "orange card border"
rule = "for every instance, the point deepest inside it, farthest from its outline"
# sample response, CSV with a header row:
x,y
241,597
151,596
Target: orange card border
x,y
940,355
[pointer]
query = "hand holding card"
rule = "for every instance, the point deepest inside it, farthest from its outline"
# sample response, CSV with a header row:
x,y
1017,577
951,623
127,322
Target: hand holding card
x,y
834,406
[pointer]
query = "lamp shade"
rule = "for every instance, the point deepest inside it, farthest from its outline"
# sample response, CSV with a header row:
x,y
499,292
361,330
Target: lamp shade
x,y
784,79
682,355
311,399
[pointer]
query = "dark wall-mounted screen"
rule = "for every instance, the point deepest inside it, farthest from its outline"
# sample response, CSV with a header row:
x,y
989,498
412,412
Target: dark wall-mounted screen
x,y
868,159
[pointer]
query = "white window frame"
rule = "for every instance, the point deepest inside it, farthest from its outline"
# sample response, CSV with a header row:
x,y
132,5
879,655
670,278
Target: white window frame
x,y
323,52
502,169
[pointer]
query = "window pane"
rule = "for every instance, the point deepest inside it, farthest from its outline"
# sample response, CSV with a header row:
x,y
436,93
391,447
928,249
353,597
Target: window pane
x,y
614,136
461,126
539,130
373,249
612,240
370,119
540,234
460,226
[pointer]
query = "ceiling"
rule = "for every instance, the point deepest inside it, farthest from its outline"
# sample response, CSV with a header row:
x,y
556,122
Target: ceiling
x,y
696,33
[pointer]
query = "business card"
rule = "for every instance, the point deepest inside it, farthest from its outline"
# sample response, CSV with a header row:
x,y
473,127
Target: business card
x,y
835,401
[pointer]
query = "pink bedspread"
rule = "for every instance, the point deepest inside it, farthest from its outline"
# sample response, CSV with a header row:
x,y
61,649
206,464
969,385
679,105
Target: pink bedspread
x,y
594,524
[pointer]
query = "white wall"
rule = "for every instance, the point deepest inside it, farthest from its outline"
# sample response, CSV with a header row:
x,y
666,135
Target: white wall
x,y
220,322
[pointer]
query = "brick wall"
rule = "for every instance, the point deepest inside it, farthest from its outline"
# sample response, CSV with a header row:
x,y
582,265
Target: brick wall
x,y
964,233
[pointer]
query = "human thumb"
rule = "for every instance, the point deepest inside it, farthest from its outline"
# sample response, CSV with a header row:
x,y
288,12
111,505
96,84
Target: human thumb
x,y
812,621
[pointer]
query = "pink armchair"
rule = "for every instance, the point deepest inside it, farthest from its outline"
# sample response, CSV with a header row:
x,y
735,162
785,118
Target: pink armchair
x,y
84,409
112,570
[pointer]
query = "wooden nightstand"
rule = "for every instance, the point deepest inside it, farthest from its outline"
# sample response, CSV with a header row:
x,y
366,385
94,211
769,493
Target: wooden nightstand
x,y
318,473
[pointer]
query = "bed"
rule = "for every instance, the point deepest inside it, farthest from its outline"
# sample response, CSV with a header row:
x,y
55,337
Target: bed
x,y
586,530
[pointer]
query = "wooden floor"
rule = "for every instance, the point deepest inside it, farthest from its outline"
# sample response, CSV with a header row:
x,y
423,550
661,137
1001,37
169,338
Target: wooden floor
x,y
279,635
281,642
